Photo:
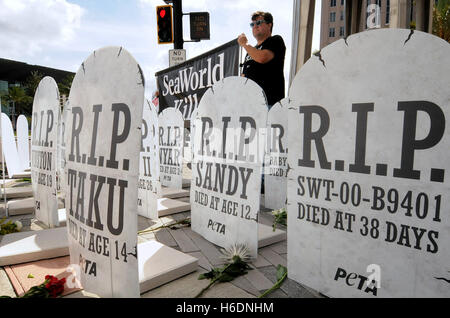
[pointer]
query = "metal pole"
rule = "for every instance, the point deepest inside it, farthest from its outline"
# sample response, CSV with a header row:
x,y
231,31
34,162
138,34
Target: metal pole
x,y
3,173
177,24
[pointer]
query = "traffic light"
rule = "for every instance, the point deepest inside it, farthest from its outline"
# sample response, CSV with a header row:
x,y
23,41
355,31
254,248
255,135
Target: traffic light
x,y
164,19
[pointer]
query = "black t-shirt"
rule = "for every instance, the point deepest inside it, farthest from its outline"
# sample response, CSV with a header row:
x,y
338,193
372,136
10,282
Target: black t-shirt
x,y
270,75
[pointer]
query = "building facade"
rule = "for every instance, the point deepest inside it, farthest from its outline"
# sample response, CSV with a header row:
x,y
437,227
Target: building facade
x,y
340,18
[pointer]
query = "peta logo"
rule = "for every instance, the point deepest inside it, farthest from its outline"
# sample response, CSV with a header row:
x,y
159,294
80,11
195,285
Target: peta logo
x,y
369,284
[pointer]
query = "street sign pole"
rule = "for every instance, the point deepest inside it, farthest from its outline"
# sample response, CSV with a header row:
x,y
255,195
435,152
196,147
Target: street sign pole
x,y
178,24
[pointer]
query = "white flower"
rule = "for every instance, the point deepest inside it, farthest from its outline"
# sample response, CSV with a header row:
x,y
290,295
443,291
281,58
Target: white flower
x,y
236,251
18,225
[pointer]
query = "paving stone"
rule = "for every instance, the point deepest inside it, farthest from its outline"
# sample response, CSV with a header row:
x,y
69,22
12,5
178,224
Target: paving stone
x,y
180,216
243,283
261,262
257,279
6,288
277,293
271,273
202,260
272,257
296,290
142,223
210,250
163,236
82,294
265,218
266,235
279,248
183,241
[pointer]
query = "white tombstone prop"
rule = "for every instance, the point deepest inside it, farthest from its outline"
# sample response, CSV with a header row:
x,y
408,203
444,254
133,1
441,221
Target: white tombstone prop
x,y
227,163
102,165
368,147
149,185
275,167
187,153
192,134
170,138
23,142
12,159
44,137
61,148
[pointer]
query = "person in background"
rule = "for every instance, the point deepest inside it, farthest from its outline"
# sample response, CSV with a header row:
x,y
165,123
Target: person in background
x,y
264,63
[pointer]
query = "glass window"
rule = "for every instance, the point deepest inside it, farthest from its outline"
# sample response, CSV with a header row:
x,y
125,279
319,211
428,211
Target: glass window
x,y
331,33
332,16
332,3
341,31
342,15
342,2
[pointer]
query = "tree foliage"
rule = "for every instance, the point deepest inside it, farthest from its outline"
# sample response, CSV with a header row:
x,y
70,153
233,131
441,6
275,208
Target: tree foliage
x,y
441,19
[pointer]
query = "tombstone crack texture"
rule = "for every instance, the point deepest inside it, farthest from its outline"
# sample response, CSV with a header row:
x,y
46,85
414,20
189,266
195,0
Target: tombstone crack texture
x,y
120,51
409,36
82,65
345,40
142,76
319,55
444,279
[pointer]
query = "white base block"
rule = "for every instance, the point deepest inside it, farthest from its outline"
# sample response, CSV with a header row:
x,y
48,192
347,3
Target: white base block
x,y
21,175
186,183
62,217
22,206
7,182
172,193
170,206
160,264
266,235
17,192
29,246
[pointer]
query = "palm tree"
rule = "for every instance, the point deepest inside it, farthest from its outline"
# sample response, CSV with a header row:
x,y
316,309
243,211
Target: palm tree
x,y
18,100
32,82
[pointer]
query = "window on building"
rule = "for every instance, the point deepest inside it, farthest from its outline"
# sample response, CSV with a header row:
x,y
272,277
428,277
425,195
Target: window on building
x,y
342,2
342,15
341,31
331,33
332,3
388,8
332,16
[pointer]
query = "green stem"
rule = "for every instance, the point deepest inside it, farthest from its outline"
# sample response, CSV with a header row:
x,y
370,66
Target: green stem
x,y
162,226
277,285
213,281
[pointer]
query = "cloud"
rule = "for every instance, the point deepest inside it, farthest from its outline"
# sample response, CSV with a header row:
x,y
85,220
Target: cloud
x,y
30,25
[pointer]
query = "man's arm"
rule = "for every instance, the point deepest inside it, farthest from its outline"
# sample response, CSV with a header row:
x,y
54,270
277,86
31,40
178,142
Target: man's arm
x,y
260,56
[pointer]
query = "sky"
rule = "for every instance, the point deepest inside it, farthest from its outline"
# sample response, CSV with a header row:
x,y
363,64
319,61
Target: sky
x,y
61,34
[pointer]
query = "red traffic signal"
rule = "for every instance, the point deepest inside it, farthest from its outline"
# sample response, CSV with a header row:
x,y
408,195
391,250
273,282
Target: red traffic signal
x,y
164,22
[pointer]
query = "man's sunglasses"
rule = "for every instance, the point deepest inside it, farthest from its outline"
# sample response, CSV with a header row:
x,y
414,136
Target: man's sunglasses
x,y
259,22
